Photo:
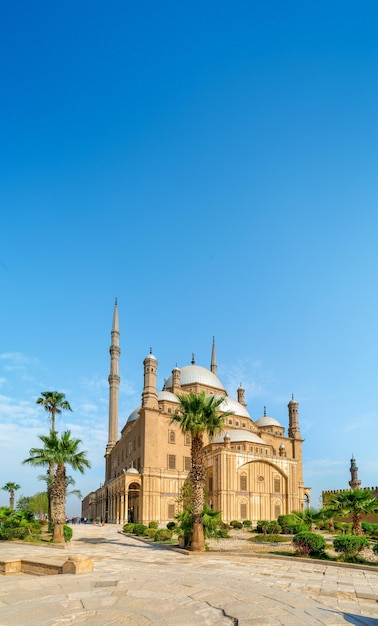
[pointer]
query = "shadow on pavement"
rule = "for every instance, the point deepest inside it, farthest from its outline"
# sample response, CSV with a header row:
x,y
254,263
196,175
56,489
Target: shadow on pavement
x,y
357,620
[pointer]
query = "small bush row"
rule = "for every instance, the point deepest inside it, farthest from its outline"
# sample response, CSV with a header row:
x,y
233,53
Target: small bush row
x,y
150,532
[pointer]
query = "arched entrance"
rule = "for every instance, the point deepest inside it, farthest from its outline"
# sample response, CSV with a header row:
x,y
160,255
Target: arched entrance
x,y
133,513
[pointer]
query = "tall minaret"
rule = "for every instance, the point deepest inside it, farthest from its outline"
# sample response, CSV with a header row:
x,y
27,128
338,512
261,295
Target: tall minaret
x,y
213,364
294,431
354,483
114,381
240,392
149,393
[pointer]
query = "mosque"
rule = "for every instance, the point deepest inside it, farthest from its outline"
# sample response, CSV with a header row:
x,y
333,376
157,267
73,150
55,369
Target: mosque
x,y
253,470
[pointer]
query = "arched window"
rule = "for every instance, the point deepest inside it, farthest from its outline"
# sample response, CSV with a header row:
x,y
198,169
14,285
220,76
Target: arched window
x,y
243,482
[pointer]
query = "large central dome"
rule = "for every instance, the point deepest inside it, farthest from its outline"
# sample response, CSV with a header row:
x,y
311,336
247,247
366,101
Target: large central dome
x,y
191,374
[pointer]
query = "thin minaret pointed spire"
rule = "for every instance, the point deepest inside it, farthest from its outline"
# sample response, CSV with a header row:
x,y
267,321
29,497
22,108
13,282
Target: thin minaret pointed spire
x,y
114,381
115,325
213,364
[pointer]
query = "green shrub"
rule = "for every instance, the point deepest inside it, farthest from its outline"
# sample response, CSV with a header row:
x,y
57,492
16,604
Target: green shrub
x,y
290,525
67,532
299,528
150,533
220,533
247,523
139,529
17,524
171,525
262,526
375,549
163,534
128,528
350,545
235,524
345,528
370,529
309,544
7,532
273,528
153,525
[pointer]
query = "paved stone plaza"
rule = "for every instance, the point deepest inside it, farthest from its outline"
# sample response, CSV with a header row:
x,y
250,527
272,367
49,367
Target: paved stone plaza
x,y
134,584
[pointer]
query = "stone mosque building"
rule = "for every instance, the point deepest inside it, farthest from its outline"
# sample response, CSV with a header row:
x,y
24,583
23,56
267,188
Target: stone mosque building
x,y
254,469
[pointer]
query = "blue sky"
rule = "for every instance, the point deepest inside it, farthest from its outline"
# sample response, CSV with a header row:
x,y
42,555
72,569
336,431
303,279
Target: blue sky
x,y
213,165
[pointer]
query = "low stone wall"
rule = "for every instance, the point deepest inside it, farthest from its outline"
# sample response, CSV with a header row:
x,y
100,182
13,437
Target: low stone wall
x,y
46,567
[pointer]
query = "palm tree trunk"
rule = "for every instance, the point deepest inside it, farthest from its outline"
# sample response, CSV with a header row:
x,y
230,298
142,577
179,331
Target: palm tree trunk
x,y
58,503
50,473
11,499
357,524
197,476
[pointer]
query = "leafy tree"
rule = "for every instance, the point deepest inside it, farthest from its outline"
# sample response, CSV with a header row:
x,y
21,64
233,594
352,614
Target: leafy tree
x,y
11,488
57,452
356,502
24,504
198,415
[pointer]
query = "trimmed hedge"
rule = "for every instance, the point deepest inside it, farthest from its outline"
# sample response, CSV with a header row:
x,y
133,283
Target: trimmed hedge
x,y
139,529
67,532
235,524
309,544
163,534
350,545
128,528
153,525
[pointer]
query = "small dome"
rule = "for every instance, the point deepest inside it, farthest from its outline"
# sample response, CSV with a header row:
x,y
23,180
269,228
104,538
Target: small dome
x,y
191,374
267,421
151,357
167,395
237,435
132,470
229,404
134,415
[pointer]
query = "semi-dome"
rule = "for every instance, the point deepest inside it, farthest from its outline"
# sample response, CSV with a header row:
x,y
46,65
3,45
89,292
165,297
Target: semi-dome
x,y
132,470
191,374
167,395
134,415
268,421
237,435
229,404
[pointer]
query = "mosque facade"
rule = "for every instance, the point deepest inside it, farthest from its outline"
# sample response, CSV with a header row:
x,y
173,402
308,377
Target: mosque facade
x,y
253,469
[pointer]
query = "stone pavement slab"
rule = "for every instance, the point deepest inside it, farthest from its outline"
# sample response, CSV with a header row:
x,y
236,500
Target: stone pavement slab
x,y
135,584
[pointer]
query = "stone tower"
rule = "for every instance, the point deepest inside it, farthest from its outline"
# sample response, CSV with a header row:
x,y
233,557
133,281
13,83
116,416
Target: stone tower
x,y
149,394
114,381
294,431
354,483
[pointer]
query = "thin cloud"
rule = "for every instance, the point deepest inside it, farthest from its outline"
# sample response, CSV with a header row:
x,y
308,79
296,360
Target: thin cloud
x,y
249,373
321,467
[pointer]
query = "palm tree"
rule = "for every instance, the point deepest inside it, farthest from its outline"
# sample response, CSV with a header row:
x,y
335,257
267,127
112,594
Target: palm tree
x,y
57,452
198,415
356,502
11,488
54,403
